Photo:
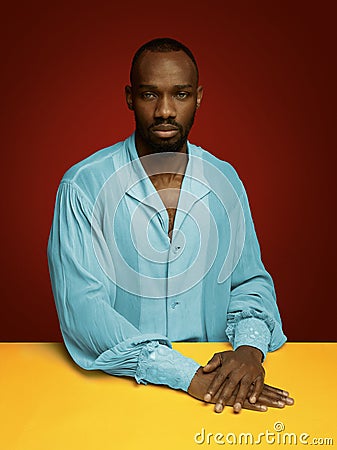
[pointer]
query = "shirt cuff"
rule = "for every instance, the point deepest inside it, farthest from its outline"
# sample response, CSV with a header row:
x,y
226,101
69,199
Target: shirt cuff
x,y
159,364
253,332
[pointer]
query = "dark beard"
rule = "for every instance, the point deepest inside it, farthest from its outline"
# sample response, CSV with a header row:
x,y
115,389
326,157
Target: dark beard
x,y
165,145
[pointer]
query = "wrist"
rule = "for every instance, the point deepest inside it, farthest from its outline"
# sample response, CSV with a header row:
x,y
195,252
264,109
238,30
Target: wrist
x,y
252,332
195,381
253,351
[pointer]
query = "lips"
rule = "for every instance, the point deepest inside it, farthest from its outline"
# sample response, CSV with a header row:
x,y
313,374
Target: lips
x,y
164,128
165,131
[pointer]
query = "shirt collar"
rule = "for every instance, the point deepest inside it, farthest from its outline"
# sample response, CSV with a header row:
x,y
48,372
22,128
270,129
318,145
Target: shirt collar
x,y
140,187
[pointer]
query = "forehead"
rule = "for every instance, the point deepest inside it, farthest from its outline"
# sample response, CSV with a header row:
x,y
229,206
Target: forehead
x,y
156,68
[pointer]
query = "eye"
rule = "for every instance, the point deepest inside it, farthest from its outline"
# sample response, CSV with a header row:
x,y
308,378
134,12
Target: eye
x,y
148,95
182,95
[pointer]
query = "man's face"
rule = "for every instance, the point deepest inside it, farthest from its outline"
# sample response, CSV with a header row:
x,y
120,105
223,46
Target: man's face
x,y
164,97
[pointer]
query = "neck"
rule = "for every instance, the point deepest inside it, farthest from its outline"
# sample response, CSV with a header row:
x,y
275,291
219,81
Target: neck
x,y
161,162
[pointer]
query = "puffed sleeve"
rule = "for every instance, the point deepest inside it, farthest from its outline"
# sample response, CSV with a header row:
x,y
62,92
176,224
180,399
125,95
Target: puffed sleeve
x,y
95,334
253,317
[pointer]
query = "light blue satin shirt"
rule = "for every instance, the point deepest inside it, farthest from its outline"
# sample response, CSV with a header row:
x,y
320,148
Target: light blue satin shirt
x,y
124,290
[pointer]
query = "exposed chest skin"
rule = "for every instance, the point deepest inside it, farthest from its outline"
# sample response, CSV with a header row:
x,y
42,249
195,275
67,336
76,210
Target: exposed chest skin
x,y
168,186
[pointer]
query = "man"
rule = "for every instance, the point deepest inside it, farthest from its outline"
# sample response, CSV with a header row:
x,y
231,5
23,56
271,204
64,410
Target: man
x,y
152,241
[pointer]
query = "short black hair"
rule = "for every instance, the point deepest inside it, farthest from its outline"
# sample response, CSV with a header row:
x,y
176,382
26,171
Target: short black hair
x,y
162,45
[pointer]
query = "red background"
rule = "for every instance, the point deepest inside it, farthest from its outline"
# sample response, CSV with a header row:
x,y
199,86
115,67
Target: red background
x,y
269,109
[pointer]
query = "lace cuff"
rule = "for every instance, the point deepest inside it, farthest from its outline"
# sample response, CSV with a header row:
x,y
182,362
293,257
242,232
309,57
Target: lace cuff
x,y
159,364
253,332
122,359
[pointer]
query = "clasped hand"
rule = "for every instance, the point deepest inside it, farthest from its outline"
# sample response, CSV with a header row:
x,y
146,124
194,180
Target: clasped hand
x,y
236,378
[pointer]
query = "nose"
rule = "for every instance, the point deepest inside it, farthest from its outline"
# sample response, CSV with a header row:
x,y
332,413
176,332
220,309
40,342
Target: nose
x,y
165,107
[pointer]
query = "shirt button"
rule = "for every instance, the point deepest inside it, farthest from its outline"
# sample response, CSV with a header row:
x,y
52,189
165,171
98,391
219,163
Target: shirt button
x,y
176,249
174,304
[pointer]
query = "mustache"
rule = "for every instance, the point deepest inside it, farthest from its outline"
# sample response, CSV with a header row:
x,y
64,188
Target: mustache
x,y
168,121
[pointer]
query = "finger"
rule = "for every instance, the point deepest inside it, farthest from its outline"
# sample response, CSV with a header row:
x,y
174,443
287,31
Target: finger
x,y
276,396
247,405
213,363
229,386
257,389
289,401
278,393
218,380
277,390
270,401
242,394
255,407
273,395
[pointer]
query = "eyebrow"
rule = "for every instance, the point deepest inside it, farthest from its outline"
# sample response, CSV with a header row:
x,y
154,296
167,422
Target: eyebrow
x,y
152,86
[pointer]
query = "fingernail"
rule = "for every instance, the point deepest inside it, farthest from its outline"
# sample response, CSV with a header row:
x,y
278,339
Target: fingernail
x,y
253,399
263,408
281,404
289,401
208,398
237,407
218,407
285,393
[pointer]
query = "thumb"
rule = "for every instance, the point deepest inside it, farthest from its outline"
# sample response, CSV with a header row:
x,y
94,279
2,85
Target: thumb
x,y
212,364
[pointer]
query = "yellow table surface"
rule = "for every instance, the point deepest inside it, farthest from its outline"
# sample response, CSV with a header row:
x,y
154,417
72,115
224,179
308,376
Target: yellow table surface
x,y
48,403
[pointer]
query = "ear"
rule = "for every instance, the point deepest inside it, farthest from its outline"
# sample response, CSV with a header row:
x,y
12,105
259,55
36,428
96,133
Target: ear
x,y
200,92
128,97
